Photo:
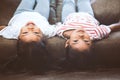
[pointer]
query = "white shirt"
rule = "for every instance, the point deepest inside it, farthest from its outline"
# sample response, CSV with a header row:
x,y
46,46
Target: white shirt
x,y
87,22
12,31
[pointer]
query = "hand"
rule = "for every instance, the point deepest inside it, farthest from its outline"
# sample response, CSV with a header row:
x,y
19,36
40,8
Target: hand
x,y
1,27
115,26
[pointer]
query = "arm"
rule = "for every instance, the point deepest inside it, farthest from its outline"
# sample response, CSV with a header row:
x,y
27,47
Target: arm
x,y
115,27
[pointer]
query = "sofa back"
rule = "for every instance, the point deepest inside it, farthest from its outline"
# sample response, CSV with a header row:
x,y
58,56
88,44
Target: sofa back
x,y
106,11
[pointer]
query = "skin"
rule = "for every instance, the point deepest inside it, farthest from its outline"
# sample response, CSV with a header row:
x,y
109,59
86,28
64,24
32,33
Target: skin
x,y
78,40
1,27
30,33
115,26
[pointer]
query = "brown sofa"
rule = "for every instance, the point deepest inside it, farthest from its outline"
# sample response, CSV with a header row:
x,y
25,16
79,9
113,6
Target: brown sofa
x,y
105,53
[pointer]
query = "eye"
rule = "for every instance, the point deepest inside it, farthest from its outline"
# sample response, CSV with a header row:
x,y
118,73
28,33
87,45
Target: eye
x,y
36,33
75,40
87,42
24,32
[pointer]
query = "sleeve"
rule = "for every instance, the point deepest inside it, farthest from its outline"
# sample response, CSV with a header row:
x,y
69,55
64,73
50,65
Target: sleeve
x,y
52,31
104,31
59,30
48,30
8,33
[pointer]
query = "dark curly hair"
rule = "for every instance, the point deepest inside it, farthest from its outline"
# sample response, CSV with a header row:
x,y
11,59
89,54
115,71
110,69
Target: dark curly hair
x,y
33,55
76,59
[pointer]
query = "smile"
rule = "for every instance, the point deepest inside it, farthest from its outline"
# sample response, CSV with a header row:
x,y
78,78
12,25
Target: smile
x,y
30,23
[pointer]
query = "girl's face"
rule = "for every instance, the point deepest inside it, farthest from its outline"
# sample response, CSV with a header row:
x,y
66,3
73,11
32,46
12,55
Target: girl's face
x,y
80,40
30,33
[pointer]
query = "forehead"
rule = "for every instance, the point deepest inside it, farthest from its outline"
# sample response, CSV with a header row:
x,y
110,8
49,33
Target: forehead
x,y
81,43
80,47
28,38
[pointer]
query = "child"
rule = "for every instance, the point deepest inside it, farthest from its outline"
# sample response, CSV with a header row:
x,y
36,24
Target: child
x,y
29,22
30,26
80,28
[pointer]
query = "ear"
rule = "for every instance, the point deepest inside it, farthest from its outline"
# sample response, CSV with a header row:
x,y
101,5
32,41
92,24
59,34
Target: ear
x,y
67,43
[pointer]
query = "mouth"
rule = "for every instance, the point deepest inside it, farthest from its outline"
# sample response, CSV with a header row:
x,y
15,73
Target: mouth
x,y
30,23
80,29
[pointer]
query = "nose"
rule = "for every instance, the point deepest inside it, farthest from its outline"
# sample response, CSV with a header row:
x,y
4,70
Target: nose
x,y
81,35
30,26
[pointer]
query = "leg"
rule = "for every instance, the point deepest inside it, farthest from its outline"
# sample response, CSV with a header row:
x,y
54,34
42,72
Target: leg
x,y
68,7
25,5
85,6
43,7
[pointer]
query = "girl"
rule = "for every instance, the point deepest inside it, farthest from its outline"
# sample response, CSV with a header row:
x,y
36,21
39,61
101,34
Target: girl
x,y
80,28
30,22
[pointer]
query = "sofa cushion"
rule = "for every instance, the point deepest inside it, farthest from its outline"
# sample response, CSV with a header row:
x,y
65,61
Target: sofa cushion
x,y
106,11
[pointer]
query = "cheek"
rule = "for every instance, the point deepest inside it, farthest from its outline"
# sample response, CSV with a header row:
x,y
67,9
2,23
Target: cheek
x,y
87,36
23,30
38,39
